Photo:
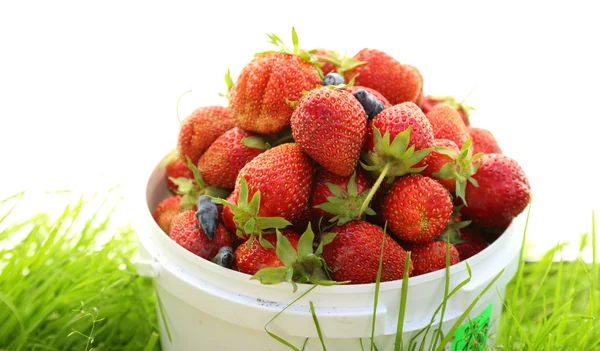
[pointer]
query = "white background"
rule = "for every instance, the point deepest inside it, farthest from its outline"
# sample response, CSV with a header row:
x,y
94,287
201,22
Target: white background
x,y
88,90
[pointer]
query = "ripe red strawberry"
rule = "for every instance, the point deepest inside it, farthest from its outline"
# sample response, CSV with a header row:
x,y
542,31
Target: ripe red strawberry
x,y
417,209
260,98
397,82
447,124
177,168
201,128
470,243
354,253
324,57
186,231
502,193
227,213
430,256
252,259
166,210
375,93
463,110
484,141
338,198
222,161
330,126
435,160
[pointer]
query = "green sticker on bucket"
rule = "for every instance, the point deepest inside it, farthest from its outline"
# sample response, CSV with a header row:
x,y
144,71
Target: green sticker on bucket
x,y
473,335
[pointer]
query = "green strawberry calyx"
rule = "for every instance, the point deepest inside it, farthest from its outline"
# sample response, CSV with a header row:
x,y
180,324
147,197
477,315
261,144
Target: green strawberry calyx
x,y
191,189
246,218
455,104
343,64
391,159
255,142
299,267
229,83
462,168
345,205
451,233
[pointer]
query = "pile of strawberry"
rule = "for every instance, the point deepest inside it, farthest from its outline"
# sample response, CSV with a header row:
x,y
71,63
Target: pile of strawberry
x,y
320,165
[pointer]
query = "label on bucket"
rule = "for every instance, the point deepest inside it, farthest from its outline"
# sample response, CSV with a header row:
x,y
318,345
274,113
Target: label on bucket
x,y
473,335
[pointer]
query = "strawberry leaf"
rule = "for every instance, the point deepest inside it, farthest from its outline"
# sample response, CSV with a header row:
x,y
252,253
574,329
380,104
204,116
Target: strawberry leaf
x,y
271,275
295,40
305,244
284,250
264,243
255,142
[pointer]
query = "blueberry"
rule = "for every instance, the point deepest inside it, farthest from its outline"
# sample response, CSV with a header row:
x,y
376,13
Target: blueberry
x,y
333,78
225,257
371,105
208,216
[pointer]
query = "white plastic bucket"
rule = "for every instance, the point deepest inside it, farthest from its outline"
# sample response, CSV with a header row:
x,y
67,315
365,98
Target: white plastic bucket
x,y
207,307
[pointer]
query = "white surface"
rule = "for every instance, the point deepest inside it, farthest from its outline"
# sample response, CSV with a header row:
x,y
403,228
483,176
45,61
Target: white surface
x,y
88,91
204,304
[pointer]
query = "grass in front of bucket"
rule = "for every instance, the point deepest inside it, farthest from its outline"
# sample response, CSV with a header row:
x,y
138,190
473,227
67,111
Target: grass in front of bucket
x,y
46,277
60,290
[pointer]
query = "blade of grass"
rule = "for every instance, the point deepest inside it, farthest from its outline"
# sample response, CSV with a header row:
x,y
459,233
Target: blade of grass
x,y
377,283
316,321
398,344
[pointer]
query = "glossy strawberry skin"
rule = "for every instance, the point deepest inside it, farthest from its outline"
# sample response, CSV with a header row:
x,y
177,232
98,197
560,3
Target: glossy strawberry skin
x,y
397,82
327,66
201,128
166,210
430,256
396,119
260,98
222,161
255,258
374,92
354,253
177,168
447,124
186,231
429,102
502,194
435,161
321,191
417,209
484,141
330,126
284,177
227,214
471,243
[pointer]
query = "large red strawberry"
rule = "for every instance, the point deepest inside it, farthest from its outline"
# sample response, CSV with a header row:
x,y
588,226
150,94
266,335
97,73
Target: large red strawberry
x,y
261,97
470,243
187,232
166,210
176,167
430,256
354,254
201,128
447,124
330,126
252,258
435,160
484,141
339,198
417,209
502,193
397,82
375,93
221,163
463,110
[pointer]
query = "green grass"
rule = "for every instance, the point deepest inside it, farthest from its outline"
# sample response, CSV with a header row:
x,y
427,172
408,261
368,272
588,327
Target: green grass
x,y
61,289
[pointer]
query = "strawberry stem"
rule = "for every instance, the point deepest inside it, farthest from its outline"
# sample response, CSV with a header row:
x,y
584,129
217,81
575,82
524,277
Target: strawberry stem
x,y
384,172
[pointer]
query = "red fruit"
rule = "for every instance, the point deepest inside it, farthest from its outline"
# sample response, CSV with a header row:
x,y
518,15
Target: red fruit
x,y
417,209
396,119
463,110
345,202
373,92
502,194
330,126
260,98
177,168
227,214
186,231
327,66
253,259
471,243
447,124
166,210
284,177
430,256
484,141
201,128
354,253
436,160
397,82
221,163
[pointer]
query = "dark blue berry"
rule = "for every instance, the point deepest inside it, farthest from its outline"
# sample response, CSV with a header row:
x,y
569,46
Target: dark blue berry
x,y
333,78
225,257
208,216
371,105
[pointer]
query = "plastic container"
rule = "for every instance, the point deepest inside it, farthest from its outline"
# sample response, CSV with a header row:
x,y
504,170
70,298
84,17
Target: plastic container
x,y
207,307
